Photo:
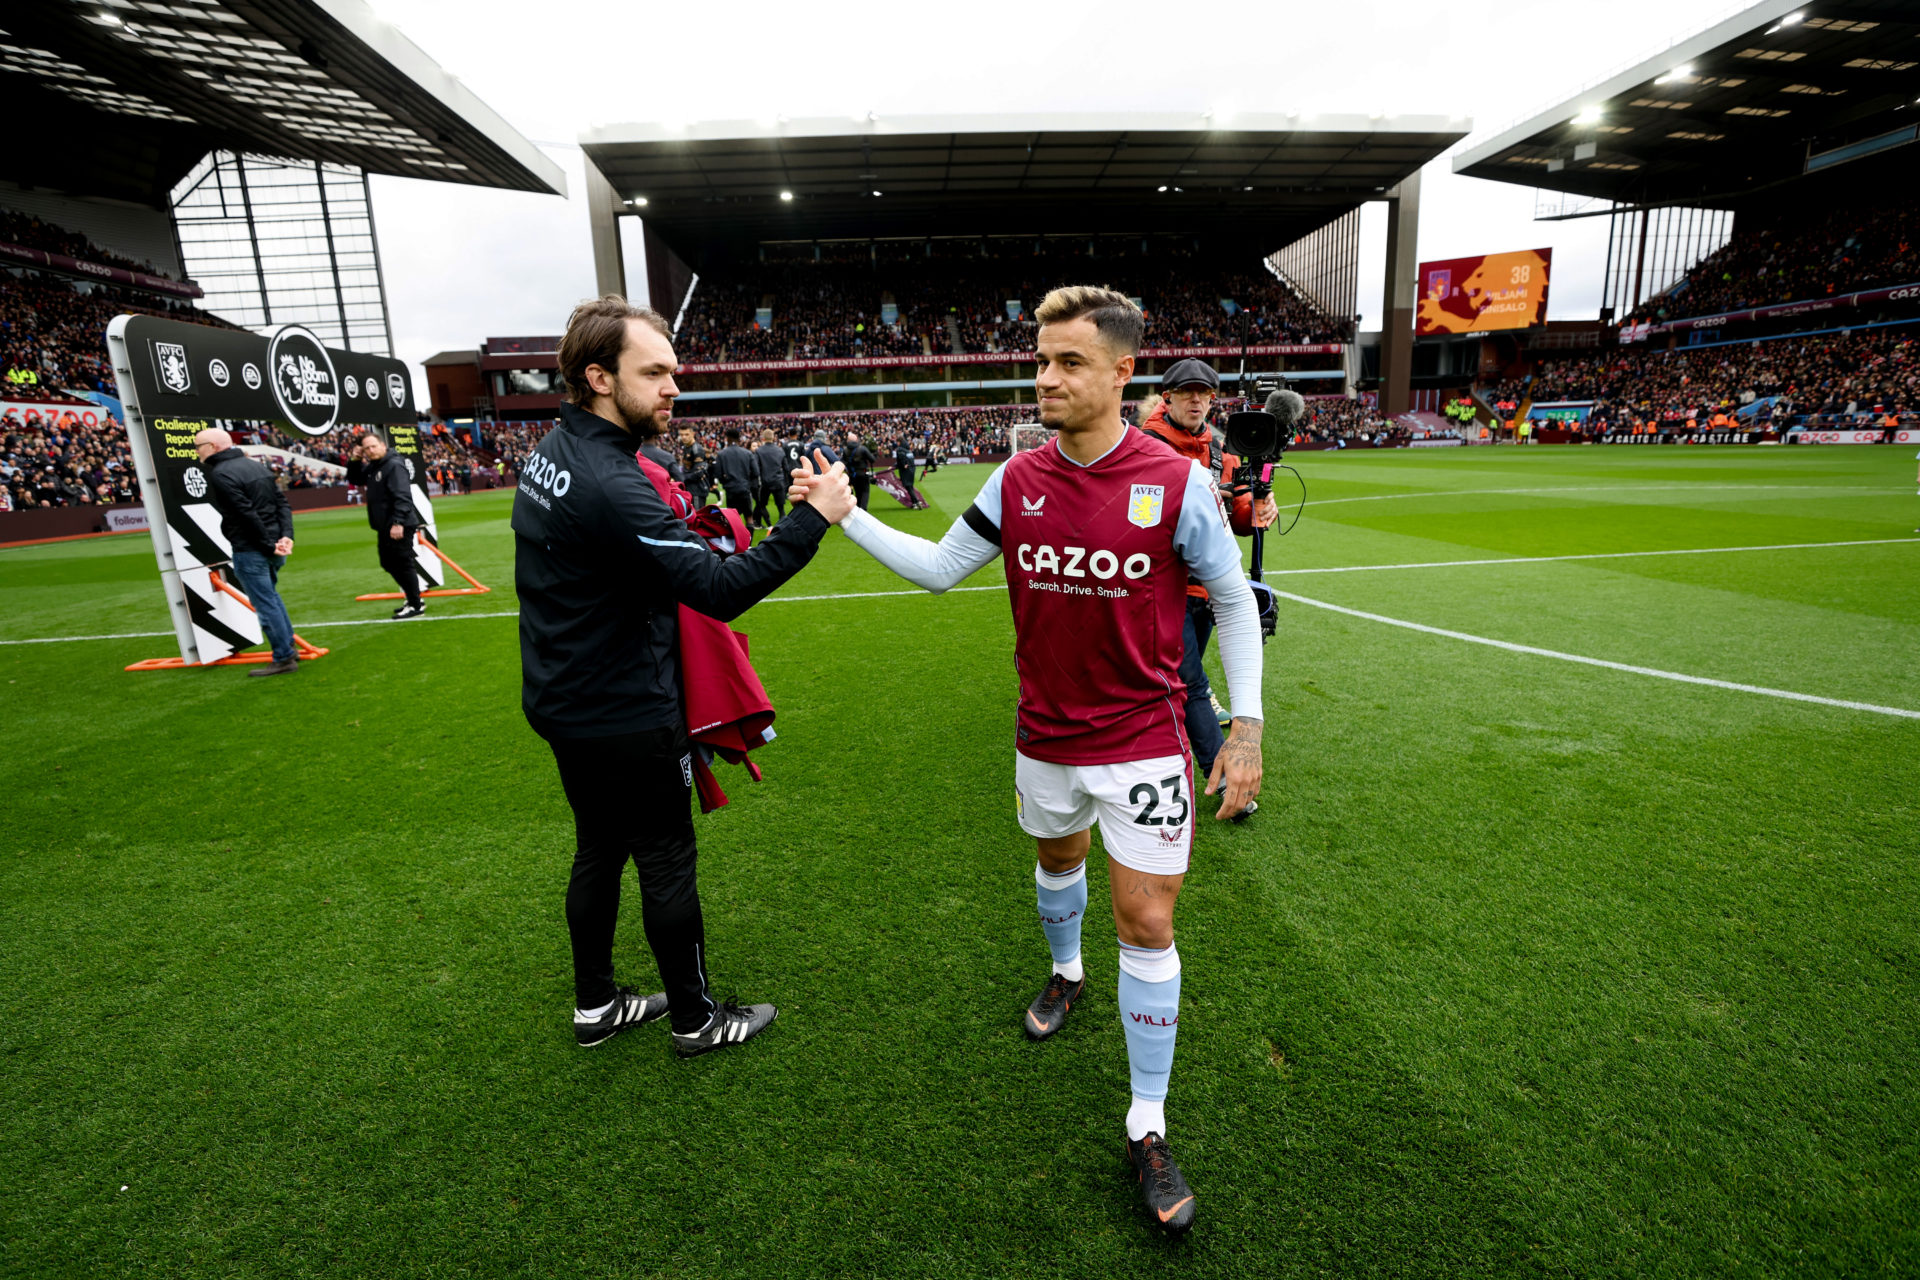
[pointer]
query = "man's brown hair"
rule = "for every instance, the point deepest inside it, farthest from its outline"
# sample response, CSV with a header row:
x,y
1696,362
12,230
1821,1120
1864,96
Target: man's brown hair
x,y
596,334
1120,323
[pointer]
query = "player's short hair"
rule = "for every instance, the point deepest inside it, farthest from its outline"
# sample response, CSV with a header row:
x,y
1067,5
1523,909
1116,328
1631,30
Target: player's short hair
x,y
597,334
733,433
1120,323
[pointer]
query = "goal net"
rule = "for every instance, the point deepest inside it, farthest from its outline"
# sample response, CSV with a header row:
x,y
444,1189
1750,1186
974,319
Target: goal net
x,y
1029,435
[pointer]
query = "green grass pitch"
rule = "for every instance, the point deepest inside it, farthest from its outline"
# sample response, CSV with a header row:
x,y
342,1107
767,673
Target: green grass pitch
x,y
1526,967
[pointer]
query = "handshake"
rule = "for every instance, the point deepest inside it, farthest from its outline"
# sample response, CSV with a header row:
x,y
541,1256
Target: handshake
x,y
822,487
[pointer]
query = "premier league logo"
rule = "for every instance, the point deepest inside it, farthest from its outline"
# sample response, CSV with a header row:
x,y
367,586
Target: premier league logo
x,y
171,359
304,383
396,389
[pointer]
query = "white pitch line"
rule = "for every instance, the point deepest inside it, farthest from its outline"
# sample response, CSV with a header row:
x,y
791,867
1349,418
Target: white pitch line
x,y
1590,555
1655,672
1271,573
1584,488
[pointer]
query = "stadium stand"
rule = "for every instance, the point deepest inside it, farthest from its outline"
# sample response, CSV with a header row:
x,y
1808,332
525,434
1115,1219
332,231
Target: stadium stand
x,y
1799,255
1857,379
952,297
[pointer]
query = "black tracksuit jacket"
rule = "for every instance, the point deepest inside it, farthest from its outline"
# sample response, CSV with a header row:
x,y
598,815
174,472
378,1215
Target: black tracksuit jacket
x,y
600,565
389,487
253,512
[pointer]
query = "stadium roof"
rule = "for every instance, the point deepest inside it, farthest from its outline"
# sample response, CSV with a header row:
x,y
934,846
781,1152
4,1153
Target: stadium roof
x,y
1777,91
125,96
1263,178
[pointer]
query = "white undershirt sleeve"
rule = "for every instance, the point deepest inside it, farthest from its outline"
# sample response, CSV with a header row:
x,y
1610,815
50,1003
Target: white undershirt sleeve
x,y
1236,620
937,566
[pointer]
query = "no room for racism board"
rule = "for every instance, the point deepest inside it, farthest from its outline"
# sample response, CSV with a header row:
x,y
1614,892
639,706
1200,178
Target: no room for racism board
x,y
177,379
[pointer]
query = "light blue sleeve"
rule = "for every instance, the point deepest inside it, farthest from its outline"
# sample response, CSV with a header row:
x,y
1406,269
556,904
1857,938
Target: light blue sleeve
x,y
1201,536
988,499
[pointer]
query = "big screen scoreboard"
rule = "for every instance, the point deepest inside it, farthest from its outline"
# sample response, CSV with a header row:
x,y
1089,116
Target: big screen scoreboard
x,y
1484,293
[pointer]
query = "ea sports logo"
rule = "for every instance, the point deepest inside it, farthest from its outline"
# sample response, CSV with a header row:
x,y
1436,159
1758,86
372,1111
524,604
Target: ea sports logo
x,y
303,379
196,482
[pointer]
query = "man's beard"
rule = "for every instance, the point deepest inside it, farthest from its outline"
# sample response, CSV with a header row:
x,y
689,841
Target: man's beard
x,y
639,419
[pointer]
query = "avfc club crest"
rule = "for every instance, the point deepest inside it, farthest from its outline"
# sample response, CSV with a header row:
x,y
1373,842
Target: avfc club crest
x,y
1144,507
171,360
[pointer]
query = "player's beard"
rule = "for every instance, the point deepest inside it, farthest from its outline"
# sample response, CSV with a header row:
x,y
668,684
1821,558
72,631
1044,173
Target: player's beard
x,y
640,418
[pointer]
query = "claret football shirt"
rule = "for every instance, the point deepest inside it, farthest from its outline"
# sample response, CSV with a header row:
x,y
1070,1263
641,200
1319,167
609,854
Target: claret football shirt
x,y
1098,558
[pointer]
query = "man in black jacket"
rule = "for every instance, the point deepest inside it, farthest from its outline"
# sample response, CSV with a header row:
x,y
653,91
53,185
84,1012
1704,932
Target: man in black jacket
x,y
859,468
738,474
388,484
601,565
903,468
258,524
773,477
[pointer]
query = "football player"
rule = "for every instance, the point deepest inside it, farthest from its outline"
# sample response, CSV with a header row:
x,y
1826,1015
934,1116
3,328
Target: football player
x,y
1102,529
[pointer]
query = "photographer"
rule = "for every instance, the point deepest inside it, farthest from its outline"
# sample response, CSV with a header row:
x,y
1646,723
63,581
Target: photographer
x,y
388,485
1180,421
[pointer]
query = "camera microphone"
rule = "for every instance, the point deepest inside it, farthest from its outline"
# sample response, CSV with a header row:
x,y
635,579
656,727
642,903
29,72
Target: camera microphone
x,y
1286,406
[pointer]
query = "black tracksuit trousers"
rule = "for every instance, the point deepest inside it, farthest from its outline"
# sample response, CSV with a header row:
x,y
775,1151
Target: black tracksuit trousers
x,y
632,798
396,557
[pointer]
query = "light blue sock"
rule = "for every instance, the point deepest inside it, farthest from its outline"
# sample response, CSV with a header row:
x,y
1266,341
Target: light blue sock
x,y
1063,905
1150,1015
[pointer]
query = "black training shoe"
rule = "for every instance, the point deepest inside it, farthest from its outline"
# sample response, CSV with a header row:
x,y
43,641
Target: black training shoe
x,y
1048,1012
409,611
1169,1199
630,1009
731,1024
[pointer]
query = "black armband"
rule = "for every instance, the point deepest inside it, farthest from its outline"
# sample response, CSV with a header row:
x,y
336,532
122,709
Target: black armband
x,y
978,522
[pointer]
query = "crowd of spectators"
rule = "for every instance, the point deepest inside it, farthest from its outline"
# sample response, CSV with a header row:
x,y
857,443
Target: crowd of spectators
x,y
1813,381
53,332
961,295
30,232
49,458
1797,256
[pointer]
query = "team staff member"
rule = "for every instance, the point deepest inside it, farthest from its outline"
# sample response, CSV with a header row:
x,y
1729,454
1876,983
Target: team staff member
x,y
1181,421
860,467
600,564
772,460
903,467
258,525
388,484
738,473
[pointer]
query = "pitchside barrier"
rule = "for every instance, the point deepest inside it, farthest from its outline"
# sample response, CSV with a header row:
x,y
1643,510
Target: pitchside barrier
x,y
177,379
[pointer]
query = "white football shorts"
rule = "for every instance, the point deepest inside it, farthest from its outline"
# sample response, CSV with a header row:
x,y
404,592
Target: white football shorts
x,y
1145,807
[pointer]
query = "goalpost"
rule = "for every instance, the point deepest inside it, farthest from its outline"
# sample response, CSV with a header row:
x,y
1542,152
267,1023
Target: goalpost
x,y
1028,435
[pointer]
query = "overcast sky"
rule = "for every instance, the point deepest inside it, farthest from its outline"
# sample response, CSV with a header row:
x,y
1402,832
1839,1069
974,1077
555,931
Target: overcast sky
x,y
464,263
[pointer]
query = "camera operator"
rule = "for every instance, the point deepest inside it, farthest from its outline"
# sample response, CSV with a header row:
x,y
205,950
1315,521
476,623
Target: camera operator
x,y
1189,389
388,484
